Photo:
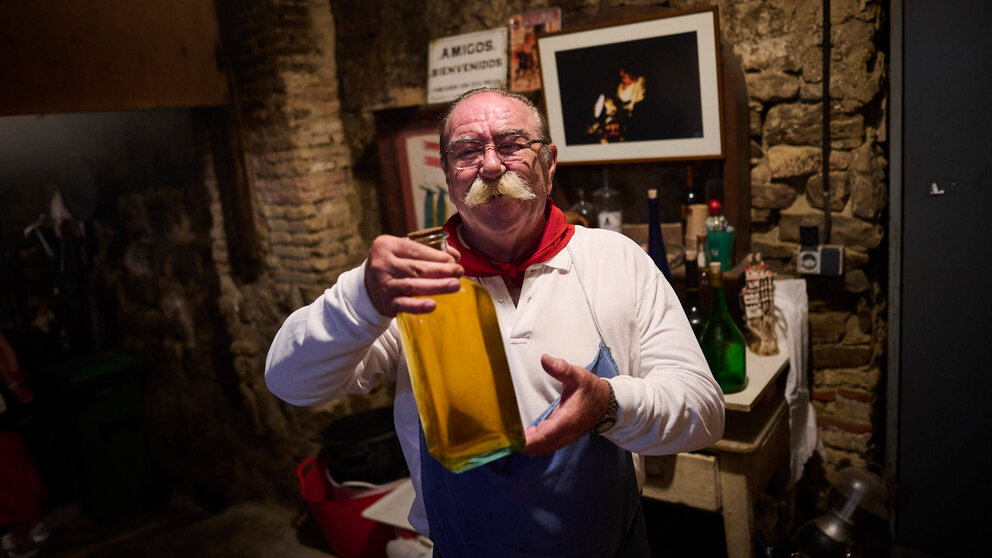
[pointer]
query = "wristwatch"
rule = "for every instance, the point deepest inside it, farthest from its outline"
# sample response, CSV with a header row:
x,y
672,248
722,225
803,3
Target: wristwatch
x,y
610,417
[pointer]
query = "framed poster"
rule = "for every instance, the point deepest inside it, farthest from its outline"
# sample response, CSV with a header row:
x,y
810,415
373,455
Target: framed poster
x,y
414,194
525,71
424,179
645,90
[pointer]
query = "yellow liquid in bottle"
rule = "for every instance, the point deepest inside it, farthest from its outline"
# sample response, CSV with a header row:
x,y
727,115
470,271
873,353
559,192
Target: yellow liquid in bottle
x,y
461,379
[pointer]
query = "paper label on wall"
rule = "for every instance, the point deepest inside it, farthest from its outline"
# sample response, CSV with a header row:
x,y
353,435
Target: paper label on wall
x,y
463,62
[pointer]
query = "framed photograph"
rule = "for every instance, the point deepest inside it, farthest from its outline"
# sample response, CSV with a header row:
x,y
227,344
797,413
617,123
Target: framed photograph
x,y
645,90
414,193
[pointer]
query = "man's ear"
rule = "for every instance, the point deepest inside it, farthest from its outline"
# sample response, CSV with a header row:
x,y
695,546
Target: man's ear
x,y
552,165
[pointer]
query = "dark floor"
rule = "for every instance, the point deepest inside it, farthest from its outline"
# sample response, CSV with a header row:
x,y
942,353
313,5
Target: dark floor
x,y
185,530
182,529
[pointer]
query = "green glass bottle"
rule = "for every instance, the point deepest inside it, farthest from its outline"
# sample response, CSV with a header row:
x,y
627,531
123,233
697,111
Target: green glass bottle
x,y
721,341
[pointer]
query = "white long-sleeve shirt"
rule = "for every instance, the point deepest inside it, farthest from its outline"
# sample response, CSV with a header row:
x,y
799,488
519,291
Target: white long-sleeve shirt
x,y
668,400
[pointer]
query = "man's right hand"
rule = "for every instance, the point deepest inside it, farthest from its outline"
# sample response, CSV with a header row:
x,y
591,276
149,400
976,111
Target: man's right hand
x,y
399,269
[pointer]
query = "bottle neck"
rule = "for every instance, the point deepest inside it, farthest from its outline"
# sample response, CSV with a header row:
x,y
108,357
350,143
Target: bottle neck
x,y
691,275
717,302
652,210
692,297
691,285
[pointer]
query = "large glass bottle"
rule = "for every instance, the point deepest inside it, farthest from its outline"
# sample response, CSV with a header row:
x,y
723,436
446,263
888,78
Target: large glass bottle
x,y
460,376
721,341
656,242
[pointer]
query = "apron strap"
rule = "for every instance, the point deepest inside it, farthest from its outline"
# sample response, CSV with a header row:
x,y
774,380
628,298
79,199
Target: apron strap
x,y
585,295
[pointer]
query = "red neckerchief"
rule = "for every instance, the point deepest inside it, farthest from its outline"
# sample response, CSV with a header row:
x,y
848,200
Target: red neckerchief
x,y
554,238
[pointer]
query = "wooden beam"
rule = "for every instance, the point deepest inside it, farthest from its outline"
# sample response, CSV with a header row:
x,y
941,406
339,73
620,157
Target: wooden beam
x,y
79,56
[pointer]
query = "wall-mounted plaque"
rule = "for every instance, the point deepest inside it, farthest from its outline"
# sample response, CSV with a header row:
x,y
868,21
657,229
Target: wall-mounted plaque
x,y
463,62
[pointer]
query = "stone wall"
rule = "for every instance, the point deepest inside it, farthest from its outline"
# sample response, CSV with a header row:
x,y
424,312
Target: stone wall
x,y
157,288
779,45
308,76
165,263
383,56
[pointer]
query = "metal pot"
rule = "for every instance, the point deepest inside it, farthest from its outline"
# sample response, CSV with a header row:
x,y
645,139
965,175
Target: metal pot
x,y
363,447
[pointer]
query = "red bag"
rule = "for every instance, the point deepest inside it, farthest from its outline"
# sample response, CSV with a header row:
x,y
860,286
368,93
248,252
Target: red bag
x,y
340,518
21,490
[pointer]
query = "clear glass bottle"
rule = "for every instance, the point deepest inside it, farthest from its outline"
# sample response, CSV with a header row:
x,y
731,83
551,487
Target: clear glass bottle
x,y
715,222
585,210
609,205
656,242
721,341
460,375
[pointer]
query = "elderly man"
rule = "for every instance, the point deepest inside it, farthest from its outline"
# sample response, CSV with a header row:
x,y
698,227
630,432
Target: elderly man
x,y
564,296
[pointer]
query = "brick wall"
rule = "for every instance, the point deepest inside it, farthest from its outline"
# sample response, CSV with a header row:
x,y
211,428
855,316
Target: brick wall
x,y
308,217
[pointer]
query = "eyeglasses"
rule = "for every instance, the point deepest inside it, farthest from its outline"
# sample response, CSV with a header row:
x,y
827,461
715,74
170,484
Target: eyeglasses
x,y
470,154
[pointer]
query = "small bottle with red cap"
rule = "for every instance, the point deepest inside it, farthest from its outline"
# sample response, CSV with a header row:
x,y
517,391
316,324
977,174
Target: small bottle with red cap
x,y
716,222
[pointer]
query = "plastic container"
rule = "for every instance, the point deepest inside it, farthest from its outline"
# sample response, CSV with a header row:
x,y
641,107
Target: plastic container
x,y
339,516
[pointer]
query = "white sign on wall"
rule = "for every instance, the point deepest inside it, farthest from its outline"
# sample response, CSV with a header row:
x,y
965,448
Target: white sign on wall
x,y
457,64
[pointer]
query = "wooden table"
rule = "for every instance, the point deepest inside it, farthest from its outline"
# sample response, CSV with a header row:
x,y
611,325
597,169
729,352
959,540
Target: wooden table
x,y
728,476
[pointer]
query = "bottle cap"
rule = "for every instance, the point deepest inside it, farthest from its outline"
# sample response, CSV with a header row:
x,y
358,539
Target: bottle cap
x,y
652,194
715,206
435,237
715,266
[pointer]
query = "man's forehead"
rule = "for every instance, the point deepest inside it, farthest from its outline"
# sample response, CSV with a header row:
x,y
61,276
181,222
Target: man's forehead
x,y
492,113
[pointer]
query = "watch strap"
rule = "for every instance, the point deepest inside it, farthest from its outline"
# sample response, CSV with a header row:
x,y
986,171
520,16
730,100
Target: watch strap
x,y
610,416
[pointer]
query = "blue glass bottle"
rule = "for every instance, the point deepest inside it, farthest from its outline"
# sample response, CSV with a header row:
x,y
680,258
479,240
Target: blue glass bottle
x,y
656,243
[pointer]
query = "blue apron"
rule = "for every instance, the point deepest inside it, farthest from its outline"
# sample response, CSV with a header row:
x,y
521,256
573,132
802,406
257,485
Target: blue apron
x,y
581,500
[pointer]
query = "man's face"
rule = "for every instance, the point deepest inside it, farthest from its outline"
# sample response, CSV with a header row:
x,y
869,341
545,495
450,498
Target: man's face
x,y
489,119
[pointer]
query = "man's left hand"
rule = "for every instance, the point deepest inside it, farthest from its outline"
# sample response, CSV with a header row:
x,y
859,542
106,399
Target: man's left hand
x,y
584,398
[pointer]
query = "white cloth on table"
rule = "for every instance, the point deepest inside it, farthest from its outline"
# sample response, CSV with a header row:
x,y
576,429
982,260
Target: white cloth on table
x,y
792,325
